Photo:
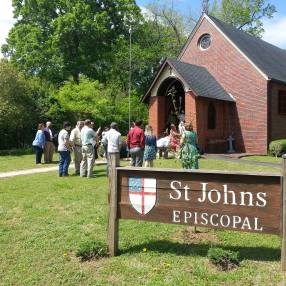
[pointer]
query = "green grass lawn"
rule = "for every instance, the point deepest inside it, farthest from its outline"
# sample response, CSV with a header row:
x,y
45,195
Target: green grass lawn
x,y
269,159
44,219
21,162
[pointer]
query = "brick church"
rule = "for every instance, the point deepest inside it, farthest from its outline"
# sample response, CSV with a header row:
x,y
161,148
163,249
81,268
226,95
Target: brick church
x,y
225,82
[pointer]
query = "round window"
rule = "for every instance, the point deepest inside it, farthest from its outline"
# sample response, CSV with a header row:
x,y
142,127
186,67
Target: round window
x,y
205,41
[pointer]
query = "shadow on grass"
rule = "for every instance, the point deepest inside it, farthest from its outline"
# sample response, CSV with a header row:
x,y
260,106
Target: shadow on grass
x,y
99,173
165,246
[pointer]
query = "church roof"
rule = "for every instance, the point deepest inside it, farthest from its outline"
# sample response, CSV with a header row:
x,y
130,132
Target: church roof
x,y
270,59
200,81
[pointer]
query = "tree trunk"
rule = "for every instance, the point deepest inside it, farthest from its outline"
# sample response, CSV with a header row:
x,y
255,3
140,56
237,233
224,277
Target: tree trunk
x,y
75,77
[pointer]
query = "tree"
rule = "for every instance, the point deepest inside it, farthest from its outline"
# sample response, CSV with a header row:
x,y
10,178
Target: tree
x,y
56,39
159,35
90,99
246,15
177,24
17,108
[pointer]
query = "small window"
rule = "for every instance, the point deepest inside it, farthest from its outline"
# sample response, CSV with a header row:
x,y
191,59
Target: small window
x,y
204,41
282,102
211,116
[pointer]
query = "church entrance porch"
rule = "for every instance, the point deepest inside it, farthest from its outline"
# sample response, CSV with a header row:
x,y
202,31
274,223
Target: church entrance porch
x,y
185,92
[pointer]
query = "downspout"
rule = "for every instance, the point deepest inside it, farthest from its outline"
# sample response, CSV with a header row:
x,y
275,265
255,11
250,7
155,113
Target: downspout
x,y
269,113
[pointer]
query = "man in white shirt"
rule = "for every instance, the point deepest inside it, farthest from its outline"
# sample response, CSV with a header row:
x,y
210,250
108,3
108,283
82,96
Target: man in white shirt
x,y
88,136
75,138
113,140
64,150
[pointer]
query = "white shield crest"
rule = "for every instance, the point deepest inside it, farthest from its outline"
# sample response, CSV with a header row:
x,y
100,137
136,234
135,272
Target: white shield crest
x,y
142,194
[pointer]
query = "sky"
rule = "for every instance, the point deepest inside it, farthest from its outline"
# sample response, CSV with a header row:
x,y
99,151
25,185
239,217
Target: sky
x,y
275,28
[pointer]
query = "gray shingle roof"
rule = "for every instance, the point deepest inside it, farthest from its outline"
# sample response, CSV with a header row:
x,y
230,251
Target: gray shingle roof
x,y
270,59
200,80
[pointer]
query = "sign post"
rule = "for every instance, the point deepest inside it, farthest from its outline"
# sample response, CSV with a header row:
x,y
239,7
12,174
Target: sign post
x,y
283,250
112,217
239,201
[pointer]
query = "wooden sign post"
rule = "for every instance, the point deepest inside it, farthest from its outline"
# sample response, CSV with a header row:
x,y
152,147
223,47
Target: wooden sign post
x,y
112,234
240,201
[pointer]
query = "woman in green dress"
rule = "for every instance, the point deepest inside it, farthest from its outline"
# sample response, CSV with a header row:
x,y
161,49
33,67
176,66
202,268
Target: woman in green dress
x,y
189,153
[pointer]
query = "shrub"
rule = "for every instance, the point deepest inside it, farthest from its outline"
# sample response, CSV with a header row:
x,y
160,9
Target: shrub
x,y
91,250
277,147
223,259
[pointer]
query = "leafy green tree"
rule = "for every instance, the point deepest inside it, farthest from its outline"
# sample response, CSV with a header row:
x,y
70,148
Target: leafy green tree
x,y
17,108
56,39
90,99
246,15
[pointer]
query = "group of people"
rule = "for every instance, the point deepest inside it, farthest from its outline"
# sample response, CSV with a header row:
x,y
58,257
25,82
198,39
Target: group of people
x,y
83,141
143,146
43,143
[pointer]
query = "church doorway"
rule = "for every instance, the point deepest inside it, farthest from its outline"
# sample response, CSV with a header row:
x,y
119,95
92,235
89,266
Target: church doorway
x,y
172,109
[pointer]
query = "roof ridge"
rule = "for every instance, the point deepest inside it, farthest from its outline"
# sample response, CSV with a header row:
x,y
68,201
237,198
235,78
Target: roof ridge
x,y
244,32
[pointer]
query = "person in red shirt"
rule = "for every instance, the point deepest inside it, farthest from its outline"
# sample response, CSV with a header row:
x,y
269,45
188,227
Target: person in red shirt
x,y
136,144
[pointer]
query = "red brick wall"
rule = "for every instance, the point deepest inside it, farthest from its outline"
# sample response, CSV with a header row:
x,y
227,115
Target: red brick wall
x,y
210,139
191,109
157,114
277,121
242,80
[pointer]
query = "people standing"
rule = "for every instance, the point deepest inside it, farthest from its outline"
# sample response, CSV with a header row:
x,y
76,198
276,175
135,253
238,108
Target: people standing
x,y
104,141
150,150
75,138
189,153
49,148
95,143
64,148
136,144
88,136
39,143
113,141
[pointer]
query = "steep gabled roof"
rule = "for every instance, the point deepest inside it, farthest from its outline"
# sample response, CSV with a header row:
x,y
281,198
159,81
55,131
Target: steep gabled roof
x,y
270,59
201,82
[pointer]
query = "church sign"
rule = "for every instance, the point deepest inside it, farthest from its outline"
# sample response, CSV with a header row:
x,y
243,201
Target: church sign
x,y
239,201
233,201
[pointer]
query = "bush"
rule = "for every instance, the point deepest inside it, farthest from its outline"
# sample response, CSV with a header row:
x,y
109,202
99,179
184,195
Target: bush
x,y
277,147
223,259
91,250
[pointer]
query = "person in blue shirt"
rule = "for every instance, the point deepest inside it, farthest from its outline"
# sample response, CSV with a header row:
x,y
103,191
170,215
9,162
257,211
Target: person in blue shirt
x,y
39,143
150,149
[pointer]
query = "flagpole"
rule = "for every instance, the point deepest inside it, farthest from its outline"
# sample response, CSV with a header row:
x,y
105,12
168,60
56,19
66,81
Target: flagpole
x,y
129,78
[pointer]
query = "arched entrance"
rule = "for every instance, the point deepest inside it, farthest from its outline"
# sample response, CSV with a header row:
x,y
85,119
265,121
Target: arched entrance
x,y
172,107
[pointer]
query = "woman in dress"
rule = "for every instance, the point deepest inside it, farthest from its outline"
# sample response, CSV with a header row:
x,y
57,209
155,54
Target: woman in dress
x,y
189,153
150,147
39,143
174,138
